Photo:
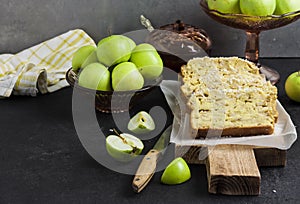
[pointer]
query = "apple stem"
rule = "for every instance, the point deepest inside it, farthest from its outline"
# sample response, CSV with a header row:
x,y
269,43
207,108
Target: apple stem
x,y
115,131
118,134
124,140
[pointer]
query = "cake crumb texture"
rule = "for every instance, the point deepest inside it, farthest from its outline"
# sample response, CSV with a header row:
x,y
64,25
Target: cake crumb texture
x,y
228,94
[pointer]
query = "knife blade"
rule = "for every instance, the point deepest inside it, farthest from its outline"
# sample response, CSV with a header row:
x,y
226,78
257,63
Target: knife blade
x,y
148,165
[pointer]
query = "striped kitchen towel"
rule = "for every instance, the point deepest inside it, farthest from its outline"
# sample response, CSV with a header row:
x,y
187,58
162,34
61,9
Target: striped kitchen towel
x,y
41,68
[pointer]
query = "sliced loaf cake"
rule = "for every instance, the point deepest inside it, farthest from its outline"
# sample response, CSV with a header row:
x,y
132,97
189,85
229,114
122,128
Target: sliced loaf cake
x,y
228,96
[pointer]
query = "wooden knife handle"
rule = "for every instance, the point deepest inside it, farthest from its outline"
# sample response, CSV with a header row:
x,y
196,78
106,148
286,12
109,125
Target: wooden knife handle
x,y
145,171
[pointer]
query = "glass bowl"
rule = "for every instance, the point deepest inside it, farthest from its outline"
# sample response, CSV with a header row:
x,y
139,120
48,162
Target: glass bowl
x,y
113,101
251,23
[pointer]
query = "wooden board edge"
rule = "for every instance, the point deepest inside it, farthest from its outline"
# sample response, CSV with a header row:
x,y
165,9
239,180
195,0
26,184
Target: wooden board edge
x,y
265,157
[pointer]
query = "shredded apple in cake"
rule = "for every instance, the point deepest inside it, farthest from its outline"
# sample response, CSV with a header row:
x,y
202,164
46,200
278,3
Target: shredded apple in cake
x,y
229,94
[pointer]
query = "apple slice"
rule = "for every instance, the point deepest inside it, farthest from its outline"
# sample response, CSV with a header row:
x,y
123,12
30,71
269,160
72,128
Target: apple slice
x,y
177,172
123,147
141,123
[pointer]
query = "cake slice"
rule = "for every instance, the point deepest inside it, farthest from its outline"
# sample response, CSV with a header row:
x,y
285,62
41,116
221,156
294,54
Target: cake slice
x,y
228,97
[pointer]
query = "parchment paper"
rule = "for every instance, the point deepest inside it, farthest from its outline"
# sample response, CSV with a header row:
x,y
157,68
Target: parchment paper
x,y
283,137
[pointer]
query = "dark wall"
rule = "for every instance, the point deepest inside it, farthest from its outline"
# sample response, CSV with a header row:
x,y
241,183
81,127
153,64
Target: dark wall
x,y
25,23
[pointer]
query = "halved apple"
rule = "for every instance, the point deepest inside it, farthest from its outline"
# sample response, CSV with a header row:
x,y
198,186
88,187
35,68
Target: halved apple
x,y
124,147
141,123
177,172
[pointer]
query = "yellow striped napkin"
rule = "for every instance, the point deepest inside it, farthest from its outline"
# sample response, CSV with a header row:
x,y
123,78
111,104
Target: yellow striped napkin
x,y
41,67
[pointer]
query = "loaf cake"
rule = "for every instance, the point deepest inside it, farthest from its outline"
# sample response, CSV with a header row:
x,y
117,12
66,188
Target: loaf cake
x,y
228,97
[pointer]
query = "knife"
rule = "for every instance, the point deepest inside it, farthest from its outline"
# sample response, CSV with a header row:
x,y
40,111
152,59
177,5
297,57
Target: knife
x,y
147,167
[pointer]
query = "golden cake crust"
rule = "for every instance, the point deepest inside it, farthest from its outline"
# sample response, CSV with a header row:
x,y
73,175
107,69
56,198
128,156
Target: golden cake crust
x,y
228,97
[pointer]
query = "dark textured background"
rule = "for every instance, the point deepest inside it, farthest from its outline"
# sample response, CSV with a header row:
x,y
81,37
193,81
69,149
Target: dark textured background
x,y
43,161
25,24
41,158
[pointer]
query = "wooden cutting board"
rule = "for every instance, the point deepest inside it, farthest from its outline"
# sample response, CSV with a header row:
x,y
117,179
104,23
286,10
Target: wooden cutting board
x,y
233,169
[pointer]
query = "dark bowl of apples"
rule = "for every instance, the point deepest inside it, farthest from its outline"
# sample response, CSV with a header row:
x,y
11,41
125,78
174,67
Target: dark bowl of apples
x,y
112,101
117,73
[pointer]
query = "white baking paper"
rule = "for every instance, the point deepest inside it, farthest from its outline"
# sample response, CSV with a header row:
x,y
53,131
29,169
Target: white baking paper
x,y
283,137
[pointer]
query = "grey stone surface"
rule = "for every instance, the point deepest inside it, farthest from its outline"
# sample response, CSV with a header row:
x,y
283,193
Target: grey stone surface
x,y
43,161
26,23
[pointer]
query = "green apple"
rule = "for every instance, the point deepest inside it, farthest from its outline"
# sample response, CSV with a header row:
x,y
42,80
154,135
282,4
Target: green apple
x,y
224,6
258,7
286,6
95,76
131,42
123,147
176,172
141,123
125,76
292,86
92,58
114,49
147,60
81,55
